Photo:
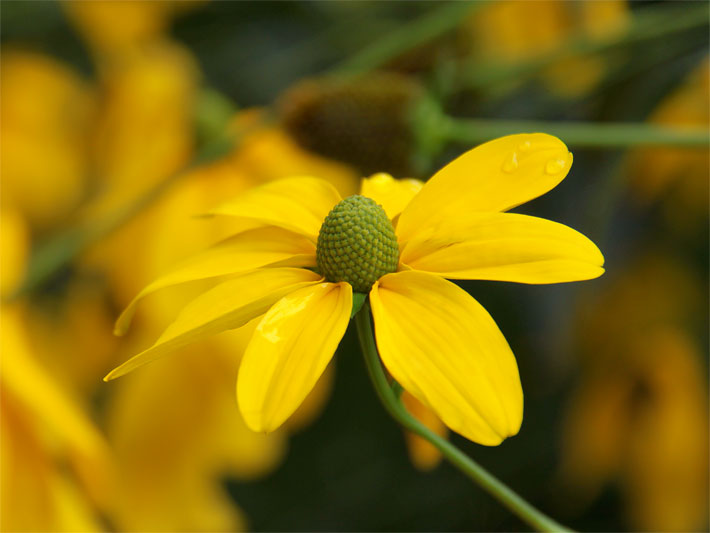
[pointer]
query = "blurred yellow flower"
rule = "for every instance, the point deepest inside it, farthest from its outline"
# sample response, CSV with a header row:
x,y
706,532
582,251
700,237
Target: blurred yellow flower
x,y
55,470
42,431
14,245
117,30
678,177
69,331
457,362
144,136
47,113
519,30
640,412
144,129
422,452
176,434
253,160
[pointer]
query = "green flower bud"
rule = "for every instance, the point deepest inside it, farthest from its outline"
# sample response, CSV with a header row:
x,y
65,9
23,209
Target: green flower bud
x,y
365,121
357,244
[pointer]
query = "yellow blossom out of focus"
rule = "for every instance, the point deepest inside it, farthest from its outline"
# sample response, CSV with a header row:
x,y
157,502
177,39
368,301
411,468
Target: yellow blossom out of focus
x,y
640,414
423,453
141,22
73,325
176,432
144,136
516,31
47,112
144,131
55,469
42,428
675,176
14,248
255,158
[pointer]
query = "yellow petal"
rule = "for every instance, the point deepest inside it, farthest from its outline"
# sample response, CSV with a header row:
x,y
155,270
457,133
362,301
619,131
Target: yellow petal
x,y
250,249
143,134
446,350
289,351
495,176
229,305
393,195
46,109
423,454
181,490
140,22
36,390
314,403
504,247
298,204
14,248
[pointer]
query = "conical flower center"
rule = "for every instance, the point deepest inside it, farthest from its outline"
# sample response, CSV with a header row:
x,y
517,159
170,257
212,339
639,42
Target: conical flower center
x,y
357,244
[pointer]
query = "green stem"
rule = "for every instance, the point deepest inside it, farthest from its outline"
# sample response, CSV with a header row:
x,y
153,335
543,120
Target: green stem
x,y
409,35
61,249
468,466
653,23
581,134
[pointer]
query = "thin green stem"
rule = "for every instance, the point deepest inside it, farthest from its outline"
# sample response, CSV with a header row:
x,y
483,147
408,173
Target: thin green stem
x,y
468,466
61,249
581,134
409,35
654,23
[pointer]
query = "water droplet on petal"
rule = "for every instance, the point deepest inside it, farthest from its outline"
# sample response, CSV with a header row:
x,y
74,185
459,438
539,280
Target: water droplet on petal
x,y
524,146
555,166
511,163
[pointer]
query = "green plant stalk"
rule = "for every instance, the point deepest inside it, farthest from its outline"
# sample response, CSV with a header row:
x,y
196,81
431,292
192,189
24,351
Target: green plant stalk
x,y
655,23
580,134
410,35
61,249
390,399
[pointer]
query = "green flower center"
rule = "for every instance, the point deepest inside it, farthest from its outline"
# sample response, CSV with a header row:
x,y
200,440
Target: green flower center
x,y
357,244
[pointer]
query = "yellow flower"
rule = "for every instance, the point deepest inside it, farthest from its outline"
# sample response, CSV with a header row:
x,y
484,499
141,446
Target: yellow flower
x,y
55,469
170,478
55,465
677,178
423,453
434,338
47,110
15,247
502,33
639,415
117,30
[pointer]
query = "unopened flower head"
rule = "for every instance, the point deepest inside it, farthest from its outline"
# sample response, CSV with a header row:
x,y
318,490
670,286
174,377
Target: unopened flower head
x,y
306,250
365,121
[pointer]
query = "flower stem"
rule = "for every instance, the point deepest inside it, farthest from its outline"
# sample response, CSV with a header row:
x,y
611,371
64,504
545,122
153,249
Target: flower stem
x,y
580,134
648,24
468,466
61,249
429,26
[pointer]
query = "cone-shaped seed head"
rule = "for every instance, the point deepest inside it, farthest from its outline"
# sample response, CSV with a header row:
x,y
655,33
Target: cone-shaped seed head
x,y
365,122
357,244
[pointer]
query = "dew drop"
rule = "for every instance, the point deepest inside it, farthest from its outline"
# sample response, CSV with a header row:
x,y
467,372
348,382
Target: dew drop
x,y
524,146
555,166
511,163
